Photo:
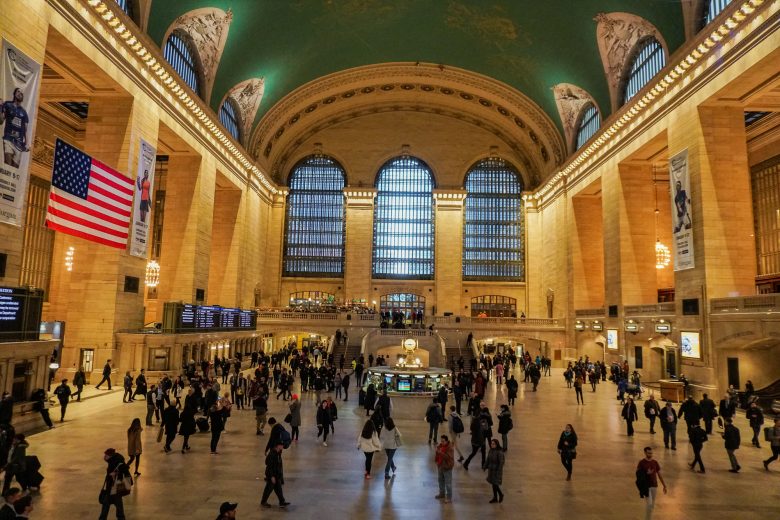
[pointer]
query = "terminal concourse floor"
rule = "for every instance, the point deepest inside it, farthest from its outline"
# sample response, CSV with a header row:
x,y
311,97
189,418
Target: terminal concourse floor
x,y
327,483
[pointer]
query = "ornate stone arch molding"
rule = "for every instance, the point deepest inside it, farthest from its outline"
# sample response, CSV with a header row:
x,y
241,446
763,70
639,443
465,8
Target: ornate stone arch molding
x,y
537,145
571,100
247,96
618,35
207,29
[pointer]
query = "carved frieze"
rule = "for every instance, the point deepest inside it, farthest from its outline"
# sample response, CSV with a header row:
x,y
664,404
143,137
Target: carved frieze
x,y
247,96
570,100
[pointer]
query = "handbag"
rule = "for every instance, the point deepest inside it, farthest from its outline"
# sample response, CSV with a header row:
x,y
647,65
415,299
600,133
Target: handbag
x,y
288,418
160,434
398,440
573,453
103,496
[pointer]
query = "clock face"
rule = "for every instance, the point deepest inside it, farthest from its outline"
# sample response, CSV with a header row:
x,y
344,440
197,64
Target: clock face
x,y
409,344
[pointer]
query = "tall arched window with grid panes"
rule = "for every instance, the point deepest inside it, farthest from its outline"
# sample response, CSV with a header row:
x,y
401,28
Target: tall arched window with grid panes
x,y
403,220
228,116
648,60
493,246
589,124
712,8
126,6
314,234
181,54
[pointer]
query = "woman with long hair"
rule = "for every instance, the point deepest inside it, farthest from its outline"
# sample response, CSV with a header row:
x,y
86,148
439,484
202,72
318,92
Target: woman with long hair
x,y
495,468
134,444
391,441
368,443
567,448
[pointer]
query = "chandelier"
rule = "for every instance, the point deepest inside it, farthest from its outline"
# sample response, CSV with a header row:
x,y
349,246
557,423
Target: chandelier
x,y
662,255
152,278
69,254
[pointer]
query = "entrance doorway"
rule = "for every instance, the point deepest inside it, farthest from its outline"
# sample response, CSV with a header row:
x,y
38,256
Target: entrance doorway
x,y
671,364
732,364
86,360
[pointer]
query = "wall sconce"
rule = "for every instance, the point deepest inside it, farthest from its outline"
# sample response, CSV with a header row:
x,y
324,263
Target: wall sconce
x,y
69,254
152,278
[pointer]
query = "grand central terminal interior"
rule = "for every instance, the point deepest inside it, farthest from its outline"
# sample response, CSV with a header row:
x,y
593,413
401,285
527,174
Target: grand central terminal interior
x,y
406,191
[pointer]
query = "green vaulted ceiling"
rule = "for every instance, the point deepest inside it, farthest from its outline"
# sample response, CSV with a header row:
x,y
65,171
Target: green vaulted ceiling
x,y
530,45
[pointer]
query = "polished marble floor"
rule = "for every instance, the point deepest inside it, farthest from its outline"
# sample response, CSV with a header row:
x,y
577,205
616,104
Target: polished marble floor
x,y
325,483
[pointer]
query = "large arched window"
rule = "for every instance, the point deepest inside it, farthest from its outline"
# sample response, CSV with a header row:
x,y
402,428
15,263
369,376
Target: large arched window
x,y
589,124
126,6
403,220
712,8
648,60
493,227
314,236
228,116
181,55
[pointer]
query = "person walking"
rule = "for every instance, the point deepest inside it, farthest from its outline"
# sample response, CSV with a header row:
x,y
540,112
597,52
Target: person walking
x,y
629,415
445,461
391,441
79,380
578,389
708,412
727,408
697,437
127,384
140,385
511,390
16,465
756,418
433,416
324,422
567,448
649,471
151,405
109,496
217,420
134,448
368,443
187,425
63,395
669,425
106,375
42,405
295,417
260,404
504,425
477,442
731,440
456,428
652,412
170,421
690,411
774,441
495,468
10,497
274,476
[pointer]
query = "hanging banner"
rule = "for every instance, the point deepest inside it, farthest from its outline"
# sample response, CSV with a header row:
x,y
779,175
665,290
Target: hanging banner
x,y
19,84
142,205
682,219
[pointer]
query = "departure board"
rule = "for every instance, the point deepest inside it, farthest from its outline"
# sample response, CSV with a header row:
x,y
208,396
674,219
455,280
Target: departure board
x,y
188,317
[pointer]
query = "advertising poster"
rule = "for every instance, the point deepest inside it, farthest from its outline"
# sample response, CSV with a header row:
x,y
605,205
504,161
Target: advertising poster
x,y
612,339
142,204
682,218
690,346
19,84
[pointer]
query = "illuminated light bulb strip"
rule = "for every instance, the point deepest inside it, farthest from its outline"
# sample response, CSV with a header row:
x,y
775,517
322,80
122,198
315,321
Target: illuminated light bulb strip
x,y
167,82
673,76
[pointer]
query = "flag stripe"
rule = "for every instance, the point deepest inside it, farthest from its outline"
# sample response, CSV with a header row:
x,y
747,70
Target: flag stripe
x,y
96,189
91,236
101,201
111,173
93,205
108,183
86,223
67,206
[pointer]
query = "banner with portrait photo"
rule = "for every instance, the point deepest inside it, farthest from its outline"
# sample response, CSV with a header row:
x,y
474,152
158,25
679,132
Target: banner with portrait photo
x,y
19,85
142,203
682,213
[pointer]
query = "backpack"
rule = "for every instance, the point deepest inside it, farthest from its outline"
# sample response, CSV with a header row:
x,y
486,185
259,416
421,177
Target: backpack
x,y
484,425
285,438
457,425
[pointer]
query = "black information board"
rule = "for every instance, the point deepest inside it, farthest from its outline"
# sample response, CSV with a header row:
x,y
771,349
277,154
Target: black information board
x,y
20,313
187,317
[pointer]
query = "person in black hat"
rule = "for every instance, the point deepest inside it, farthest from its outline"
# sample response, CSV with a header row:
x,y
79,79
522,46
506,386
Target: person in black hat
x,y
227,511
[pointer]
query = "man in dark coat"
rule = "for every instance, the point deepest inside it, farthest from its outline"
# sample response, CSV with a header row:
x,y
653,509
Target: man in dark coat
x,y
732,440
140,385
691,412
6,408
106,375
274,476
727,408
697,437
708,412
170,420
63,395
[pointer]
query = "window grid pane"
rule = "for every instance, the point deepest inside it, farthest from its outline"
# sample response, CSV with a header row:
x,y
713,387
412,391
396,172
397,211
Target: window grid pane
x,y
403,221
494,306
126,6
228,118
647,63
182,59
314,238
588,126
493,232
713,9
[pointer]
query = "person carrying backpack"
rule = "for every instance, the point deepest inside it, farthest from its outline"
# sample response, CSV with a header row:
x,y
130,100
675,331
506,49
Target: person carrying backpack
x,y
456,428
433,417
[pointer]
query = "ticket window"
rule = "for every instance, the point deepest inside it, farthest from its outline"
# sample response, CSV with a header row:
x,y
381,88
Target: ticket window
x,y
404,384
419,384
434,383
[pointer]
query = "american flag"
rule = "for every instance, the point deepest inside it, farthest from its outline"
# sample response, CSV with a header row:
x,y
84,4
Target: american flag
x,y
88,199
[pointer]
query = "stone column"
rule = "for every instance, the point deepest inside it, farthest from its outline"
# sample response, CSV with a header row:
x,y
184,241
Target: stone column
x,y
226,245
449,249
9,375
359,214
273,250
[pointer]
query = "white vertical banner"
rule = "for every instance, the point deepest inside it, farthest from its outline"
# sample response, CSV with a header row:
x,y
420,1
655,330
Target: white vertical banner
x,y
682,219
19,85
142,205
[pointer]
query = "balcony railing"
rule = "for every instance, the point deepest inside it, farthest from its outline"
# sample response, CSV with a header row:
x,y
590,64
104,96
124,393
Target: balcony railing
x,y
590,313
746,304
374,320
656,309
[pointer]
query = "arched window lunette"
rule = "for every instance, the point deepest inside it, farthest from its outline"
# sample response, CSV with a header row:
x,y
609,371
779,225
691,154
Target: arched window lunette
x,y
493,246
182,56
648,60
712,8
314,226
230,119
589,123
403,220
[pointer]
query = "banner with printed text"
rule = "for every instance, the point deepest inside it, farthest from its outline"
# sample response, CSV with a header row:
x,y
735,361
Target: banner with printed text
x,y
682,218
19,84
142,205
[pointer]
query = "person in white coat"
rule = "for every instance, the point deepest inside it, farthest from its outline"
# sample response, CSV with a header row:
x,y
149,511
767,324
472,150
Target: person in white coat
x,y
391,441
368,443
